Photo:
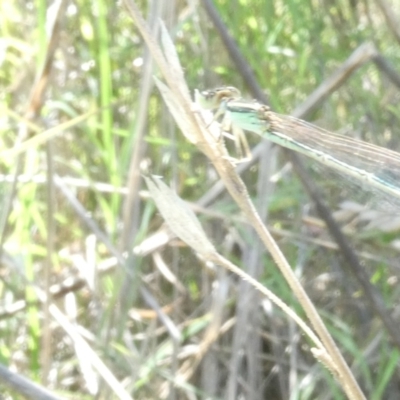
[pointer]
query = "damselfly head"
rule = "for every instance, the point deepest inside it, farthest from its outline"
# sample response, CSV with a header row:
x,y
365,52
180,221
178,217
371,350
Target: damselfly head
x,y
211,99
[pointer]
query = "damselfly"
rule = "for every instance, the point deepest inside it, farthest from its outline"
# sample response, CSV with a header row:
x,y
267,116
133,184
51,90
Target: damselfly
x,y
375,166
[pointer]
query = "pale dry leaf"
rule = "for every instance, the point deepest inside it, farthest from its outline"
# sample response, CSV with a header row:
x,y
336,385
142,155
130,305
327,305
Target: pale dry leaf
x,y
180,116
179,217
172,58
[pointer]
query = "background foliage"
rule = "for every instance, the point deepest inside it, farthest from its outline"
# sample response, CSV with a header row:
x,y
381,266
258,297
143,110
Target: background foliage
x,y
74,253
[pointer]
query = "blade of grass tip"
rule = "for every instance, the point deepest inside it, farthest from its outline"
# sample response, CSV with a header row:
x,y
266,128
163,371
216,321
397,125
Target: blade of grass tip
x,y
172,58
179,217
176,110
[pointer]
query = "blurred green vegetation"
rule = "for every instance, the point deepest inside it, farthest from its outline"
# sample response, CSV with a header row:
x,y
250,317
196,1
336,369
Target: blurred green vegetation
x,y
99,62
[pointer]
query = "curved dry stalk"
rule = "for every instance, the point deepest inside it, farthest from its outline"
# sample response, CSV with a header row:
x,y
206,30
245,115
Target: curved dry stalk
x,y
183,223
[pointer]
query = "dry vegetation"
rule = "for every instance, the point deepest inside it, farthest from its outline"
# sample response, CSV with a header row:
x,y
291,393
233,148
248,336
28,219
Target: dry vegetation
x,y
99,299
